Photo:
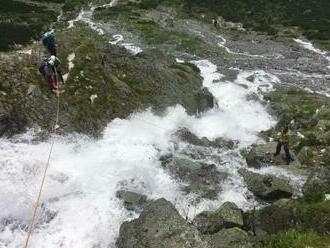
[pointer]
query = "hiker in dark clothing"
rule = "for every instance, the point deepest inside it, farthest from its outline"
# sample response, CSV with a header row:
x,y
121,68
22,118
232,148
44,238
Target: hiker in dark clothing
x,y
215,22
48,40
51,72
283,140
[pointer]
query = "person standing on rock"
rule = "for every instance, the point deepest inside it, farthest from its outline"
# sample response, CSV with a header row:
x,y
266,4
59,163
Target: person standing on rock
x,y
49,41
283,140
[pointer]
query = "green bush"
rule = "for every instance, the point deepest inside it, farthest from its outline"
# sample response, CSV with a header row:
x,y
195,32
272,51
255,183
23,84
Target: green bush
x,y
298,239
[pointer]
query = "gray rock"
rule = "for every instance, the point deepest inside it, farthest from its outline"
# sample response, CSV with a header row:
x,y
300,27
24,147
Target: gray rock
x,y
318,181
227,216
160,226
231,215
185,135
205,100
279,216
266,187
208,222
230,238
132,201
203,179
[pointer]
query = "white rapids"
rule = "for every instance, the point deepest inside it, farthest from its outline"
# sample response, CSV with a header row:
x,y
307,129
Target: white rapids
x,y
80,208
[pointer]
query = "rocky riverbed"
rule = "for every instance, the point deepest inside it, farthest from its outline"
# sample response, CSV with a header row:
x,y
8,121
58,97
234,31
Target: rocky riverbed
x,y
166,133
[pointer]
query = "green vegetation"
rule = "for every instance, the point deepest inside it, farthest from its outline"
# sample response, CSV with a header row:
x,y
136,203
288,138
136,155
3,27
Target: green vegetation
x,y
311,17
298,239
20,22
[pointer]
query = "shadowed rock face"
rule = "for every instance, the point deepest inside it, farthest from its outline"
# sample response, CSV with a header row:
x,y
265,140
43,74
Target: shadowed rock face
x,y
266,187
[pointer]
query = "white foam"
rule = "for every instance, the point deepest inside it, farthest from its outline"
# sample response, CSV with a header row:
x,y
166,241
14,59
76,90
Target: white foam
x,y
85,174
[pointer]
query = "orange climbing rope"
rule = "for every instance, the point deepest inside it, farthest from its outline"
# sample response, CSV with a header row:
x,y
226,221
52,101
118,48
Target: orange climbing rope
x,y
37,203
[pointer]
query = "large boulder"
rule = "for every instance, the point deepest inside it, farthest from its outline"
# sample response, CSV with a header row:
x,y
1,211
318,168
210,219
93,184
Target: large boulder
x,y
160,225
318,181
227,216
276,217
230,215
132,201
201,178
266,187
263,156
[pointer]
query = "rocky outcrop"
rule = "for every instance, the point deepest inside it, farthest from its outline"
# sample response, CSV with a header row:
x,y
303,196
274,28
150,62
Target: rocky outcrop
x,y
160,225
122,82
132,201
318,181
201,178
266,187
227,216
187,136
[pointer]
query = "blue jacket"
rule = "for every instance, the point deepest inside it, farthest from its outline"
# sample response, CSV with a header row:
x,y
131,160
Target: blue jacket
x,y
49,41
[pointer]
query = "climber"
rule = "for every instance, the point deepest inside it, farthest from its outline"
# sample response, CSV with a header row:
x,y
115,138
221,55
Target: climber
x,y
215,22
51,71
48,40
283,140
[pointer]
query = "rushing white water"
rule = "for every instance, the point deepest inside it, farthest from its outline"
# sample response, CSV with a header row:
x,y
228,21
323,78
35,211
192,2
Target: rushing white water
x,y
80,208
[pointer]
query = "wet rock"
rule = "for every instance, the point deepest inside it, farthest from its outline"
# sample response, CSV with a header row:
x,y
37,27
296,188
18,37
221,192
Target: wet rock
x,y
318,181
205,100
266,187
132,201
253,97
159,225
230,238
227,216
187,136
203,179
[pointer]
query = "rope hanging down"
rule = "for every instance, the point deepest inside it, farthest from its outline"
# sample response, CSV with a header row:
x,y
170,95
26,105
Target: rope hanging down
x,y
37,203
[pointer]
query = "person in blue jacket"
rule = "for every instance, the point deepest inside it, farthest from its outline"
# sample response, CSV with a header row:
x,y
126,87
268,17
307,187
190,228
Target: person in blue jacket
x,y
49,41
